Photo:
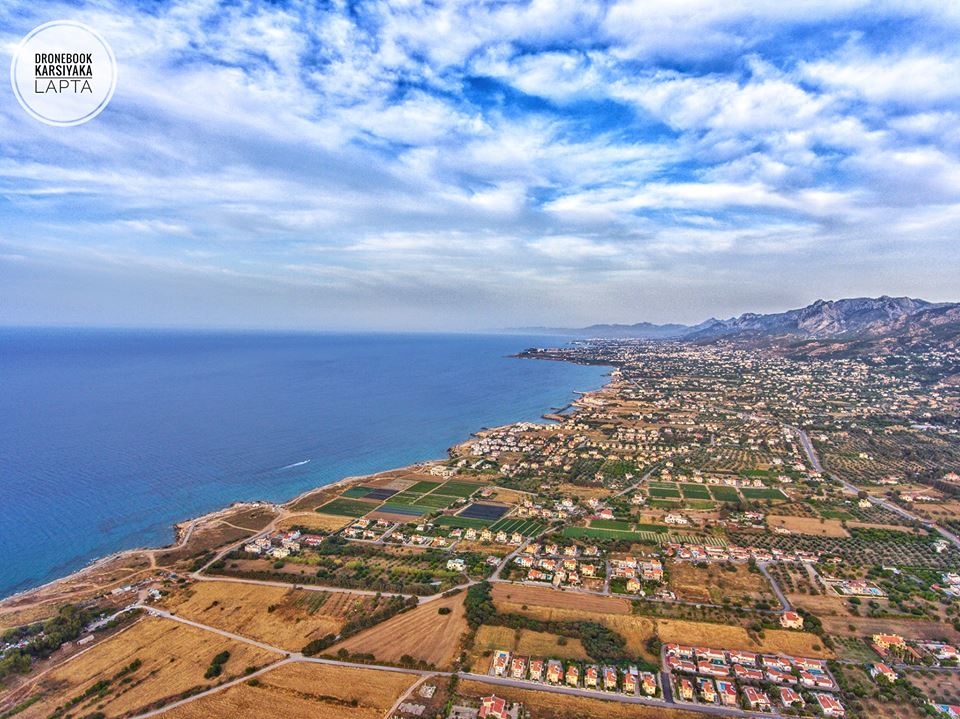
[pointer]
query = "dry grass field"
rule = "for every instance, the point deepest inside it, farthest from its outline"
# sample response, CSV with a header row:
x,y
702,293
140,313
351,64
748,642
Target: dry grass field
x,y
552,605
304,690
314,520
730,637
913,628
584,492
522,642
174,658
548,705
512,597
422,633
297,616
714,582
808,525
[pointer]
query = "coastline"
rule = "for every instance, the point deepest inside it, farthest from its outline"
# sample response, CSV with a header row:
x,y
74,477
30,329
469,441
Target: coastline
x,y
183,528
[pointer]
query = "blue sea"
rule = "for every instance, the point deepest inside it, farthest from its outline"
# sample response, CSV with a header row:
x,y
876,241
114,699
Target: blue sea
x,y
108,438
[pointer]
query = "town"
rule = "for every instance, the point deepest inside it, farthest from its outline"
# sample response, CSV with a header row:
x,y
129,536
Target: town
x,y
715,531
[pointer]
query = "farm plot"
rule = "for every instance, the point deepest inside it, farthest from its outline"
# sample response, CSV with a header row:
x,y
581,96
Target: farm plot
x,y
732,637
304,690
809,525
526,527
406,510
725,494
486,512
285,617
664,493
695,491
347,507
455,488
514,596
714,582
599,533
423,634
423,487
762,493
155,659
359,492
461,521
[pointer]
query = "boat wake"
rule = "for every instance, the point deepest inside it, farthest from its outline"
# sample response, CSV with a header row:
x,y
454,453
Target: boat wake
x,y
295,464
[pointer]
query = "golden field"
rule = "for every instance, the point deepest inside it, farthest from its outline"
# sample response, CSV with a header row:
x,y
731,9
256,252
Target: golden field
x,y
174,658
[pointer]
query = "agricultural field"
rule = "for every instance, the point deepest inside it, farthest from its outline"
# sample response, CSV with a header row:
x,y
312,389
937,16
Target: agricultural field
x,y
539,600
153,660
422,633
526,527
762,493
724,494
808,525
732,637
288,618
715,581
347,507
523,642
304,689
486,512
315,521
463,522
454,488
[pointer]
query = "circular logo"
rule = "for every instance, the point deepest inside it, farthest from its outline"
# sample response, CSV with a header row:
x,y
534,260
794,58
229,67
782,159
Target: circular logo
x,y
64,73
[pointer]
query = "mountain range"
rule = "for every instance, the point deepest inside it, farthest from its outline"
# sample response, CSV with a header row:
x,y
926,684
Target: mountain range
x,y
869,323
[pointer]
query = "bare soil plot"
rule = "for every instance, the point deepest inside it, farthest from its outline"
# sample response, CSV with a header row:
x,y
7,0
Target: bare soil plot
x,y
584,492
894,527
731,637
715,581
808,525
549,705
422,633
288,618
173,658
941,687
545,597
304,690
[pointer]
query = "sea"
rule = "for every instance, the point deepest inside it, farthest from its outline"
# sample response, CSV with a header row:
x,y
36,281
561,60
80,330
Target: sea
x,y
110,437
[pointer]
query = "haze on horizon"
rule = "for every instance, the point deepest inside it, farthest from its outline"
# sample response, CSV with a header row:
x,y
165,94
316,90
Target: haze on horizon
x,y
470,165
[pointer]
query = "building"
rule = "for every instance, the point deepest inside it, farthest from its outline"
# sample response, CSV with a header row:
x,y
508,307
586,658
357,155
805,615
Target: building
x,y
536,670
501,659
708,691
728,692
591,675
610,678
518,669
882,670
573,675
493,707
554,671
830,705
685,689
648,684
790,698
791,620
756,698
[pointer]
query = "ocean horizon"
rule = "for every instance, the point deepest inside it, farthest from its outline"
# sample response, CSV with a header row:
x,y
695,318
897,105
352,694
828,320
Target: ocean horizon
x,y
112,436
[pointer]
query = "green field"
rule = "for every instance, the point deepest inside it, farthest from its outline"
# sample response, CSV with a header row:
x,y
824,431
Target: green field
x,y
615,524
457,489
437,501
695,491
526,527
597,533
356,492
347,508
663,485
405,498
701,504
464,522
406,509
665,503
423,486
762,493
663,493
725,494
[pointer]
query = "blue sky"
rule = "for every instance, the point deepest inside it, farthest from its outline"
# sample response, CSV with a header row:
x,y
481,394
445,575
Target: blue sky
x,y
471,165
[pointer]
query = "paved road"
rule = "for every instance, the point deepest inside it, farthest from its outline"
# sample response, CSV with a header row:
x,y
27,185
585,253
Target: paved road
x,y
785,605
879,501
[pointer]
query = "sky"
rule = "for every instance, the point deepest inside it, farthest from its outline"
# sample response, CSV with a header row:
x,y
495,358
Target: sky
x,y
475,165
